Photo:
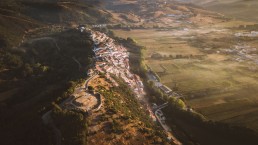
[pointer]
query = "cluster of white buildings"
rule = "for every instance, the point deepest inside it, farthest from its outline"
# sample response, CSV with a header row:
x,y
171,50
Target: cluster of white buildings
x,y
112,59
243,52
251,34
99,25
161,116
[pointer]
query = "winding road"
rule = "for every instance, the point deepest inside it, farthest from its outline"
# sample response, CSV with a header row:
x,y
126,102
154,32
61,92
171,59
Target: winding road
x,y
47,119
164,125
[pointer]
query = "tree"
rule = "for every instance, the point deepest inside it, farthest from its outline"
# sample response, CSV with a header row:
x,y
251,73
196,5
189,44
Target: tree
x,y
151,83
27,70
119,26
91,89
12,60
111,33
180,104
172,101
71,84
131,40
105,30
71,124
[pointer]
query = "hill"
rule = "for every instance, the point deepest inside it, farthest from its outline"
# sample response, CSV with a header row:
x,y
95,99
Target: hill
x,y
43,58
40,72
240,9
18,17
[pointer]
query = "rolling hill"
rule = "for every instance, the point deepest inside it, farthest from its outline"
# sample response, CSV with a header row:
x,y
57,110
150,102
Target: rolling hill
x,y
37,52
240,9
42,58
17,17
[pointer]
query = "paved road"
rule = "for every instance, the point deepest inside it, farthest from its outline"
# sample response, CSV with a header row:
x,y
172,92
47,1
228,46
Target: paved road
x,y
151,77
165,126
161,106
47,119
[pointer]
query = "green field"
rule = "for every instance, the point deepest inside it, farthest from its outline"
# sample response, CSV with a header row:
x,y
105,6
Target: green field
x,y
213,84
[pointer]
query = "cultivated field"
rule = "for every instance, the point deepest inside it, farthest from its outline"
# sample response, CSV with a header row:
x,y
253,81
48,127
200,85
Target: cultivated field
x,y
191,61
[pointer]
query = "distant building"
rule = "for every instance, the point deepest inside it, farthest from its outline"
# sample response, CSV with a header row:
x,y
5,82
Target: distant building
x,y
90,72
165,89
81,28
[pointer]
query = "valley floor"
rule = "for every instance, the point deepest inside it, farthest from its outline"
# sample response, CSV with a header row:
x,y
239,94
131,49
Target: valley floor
x,y
213,63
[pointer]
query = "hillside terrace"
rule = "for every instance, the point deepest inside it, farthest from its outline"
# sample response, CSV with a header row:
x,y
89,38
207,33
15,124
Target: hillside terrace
x,y
112,59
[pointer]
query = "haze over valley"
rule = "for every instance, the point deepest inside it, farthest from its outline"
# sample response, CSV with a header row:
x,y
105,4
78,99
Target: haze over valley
x,y
239,9
104,72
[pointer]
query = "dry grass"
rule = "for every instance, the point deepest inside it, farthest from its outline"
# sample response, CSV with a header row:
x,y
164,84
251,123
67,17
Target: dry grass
x,y
104,123
97,81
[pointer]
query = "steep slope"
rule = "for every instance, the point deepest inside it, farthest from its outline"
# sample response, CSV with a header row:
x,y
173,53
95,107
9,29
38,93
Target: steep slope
x,y
42,69
42,59
45,72
121,119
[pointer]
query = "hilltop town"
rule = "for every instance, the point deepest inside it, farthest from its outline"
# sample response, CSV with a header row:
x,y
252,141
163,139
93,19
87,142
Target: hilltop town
x,y
104,72
112,59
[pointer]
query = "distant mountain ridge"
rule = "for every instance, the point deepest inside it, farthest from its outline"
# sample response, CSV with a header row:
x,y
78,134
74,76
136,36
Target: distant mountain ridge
x,y
19,16
239,9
